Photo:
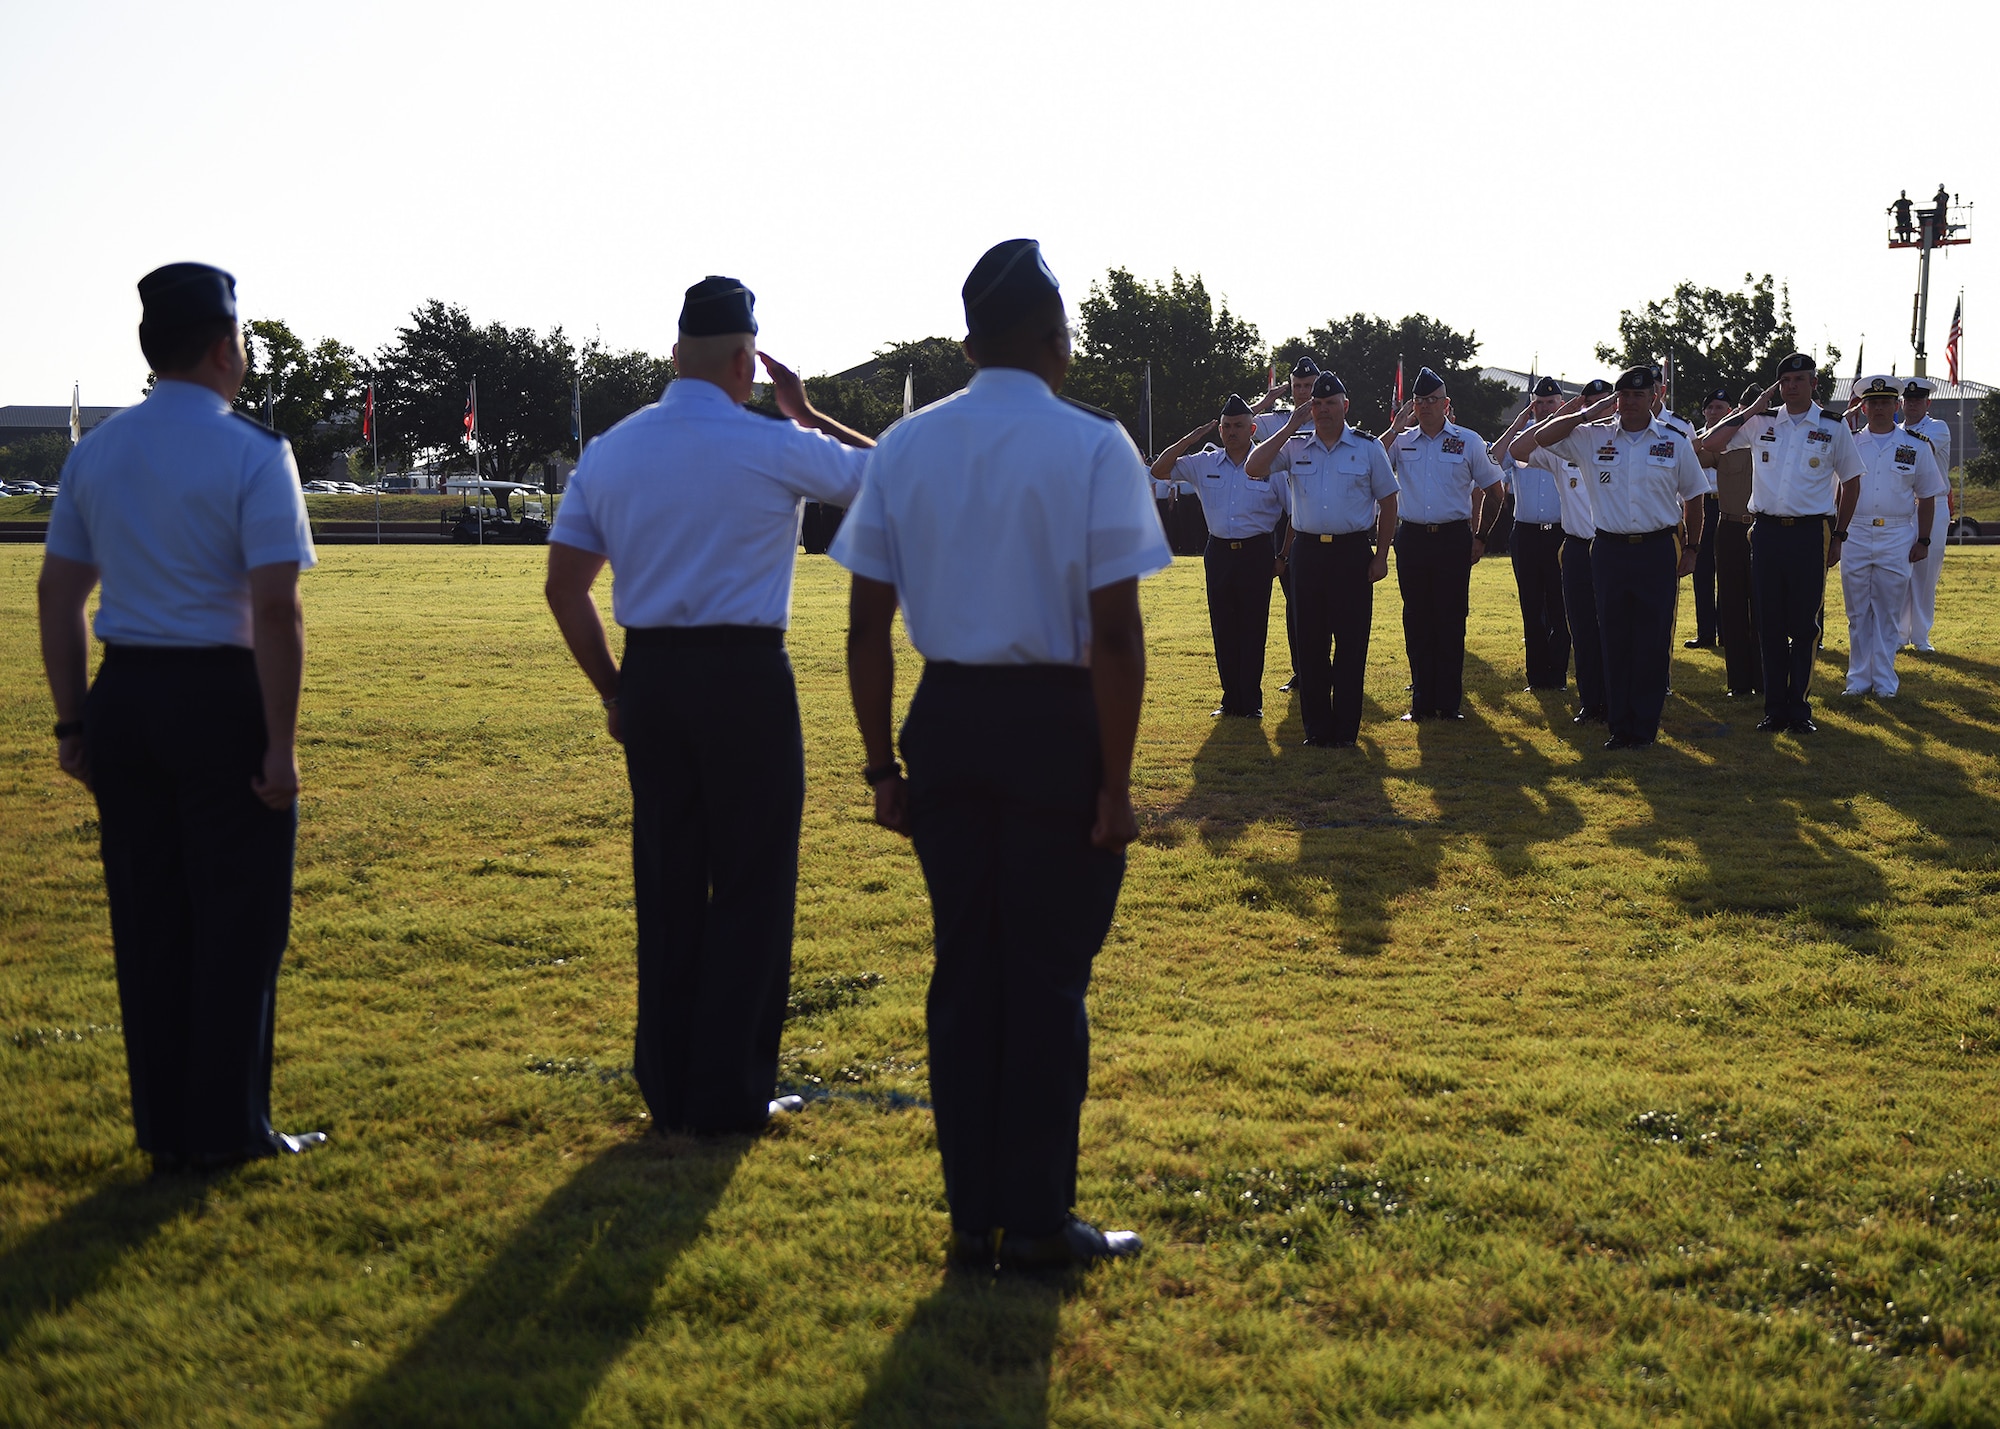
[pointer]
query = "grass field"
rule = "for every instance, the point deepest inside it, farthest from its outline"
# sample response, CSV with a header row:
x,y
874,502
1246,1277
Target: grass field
x,y
1477,1077
410,506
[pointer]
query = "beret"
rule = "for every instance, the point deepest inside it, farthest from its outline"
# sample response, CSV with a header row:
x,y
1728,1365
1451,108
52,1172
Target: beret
x,y
1720,394
1878,386
1305,367
1636,379
1427,382
1797,362
1548,387
715,307
1752,392
1009,282
1235,406
1327,385
1596,387
1919,387
187,293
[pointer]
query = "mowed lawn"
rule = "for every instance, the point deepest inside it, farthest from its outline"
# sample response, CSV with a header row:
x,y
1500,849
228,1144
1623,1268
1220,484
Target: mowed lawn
x,y
1476,1077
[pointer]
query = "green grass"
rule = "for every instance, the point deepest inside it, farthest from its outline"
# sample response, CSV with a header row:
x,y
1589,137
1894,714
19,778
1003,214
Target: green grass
x,y
1475,1078
400,506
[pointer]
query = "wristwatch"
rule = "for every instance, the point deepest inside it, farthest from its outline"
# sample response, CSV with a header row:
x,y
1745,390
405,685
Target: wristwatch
x,y
1839,535
1923,540
876,773
67,727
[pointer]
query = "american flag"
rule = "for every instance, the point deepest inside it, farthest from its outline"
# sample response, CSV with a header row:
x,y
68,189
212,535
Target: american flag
x,y
1951,343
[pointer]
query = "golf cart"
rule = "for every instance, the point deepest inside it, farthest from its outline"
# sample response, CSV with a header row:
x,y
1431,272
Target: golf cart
x,y
477,522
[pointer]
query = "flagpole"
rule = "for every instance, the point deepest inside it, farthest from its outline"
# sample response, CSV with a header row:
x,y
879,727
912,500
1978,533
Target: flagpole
x,y
479,510
375,453
1958,381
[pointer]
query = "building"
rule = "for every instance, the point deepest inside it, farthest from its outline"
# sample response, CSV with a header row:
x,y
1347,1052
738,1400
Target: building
x,y
1953,403
1521,382
17,423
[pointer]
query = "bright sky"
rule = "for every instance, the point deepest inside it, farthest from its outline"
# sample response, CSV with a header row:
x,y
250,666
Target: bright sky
x,y
1518,171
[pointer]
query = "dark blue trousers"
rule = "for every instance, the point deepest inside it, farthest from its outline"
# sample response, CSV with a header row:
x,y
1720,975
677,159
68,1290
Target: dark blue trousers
x,y
713,749
1788,583
1004,768
1239,617
1580,610
198,873
1635,579
1434,572
1705,626
1334,603
1537,553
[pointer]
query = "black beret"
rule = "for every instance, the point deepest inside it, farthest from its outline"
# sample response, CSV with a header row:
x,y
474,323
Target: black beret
x,y
1327,385
1305,367
716,307
1797,362
183,293
1427,382
1636,379
1877,387
1007,284
1236,406
1720,394
1596,387
1752,392
1918,387
1548,387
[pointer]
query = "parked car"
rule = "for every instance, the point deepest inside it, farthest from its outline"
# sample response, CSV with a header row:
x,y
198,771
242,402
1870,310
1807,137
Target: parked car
x,y
322,488
25,488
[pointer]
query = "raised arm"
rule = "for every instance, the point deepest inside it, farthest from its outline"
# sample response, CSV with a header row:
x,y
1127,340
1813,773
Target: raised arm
x,y
1548,433
1163,464
790,395
1258,463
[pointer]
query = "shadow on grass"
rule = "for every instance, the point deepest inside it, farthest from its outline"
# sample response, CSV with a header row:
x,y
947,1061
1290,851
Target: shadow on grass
x,y
528,1344
975,1352
60,1263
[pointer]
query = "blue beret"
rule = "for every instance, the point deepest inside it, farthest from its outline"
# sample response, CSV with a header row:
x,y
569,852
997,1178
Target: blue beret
x,y
1007,284
1327,385
715,307
1596,387
187,293
1305,367
1720,394
1797,362
1427,382
1548,387
1637,379
1235,407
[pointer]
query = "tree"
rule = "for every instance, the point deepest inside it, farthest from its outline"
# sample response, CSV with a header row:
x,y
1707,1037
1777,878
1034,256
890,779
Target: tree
x,y
1984,469
1363,351
1199,353
617,384
38,459
869,398
312,395
1716,339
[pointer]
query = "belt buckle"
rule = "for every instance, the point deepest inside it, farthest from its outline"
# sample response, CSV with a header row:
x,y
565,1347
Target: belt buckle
x,y
1235,545
1634,540
1878,521
1788,520
1432,528
1327,539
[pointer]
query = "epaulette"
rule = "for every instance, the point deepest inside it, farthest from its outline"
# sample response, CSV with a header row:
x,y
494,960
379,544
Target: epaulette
x,y
1673,423
1086,407
249,421
1923,437
1827,414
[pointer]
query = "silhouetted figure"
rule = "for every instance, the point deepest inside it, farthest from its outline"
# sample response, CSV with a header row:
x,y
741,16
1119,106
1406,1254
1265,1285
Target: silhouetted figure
x,y
1904,227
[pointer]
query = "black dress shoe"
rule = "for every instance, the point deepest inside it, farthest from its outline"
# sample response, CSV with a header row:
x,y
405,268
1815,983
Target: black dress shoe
x,y
1771,724
1409,716
1077,1243
970,1252
1220,712
1618,741
1697,644
1803,726
1454,714
276,1143
1286,688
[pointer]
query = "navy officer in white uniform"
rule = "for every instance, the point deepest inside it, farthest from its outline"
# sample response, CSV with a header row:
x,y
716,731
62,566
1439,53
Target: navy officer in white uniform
x,y
1536,541
1803,486
1450,499
1646,481
1243,513
1920,610
1579,529
191,517
1012,526
1889,541
695,504
1343,517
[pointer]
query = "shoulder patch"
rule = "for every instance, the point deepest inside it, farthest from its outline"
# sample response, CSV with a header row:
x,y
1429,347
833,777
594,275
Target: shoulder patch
x,y
248,421
1923,437
1098,412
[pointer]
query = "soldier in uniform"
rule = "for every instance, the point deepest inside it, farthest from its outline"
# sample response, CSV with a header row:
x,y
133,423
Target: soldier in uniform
x,y
1447,487
1342,493
1240,560
695,504
1717,405
1803,473
191,516
1537,547
1920,608
1645,482
1881,560
1305,372
1013,528
1735,610
1579,525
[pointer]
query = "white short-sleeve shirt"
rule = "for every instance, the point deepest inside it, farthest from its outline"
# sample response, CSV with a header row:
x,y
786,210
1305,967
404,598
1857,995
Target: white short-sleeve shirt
x,y
1579,518
1639,480
1901,470
1798,462
995,513
1437,475
1335,487
176,501
696,503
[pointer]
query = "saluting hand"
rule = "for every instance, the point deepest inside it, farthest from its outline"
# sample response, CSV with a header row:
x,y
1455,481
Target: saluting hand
x,y
786,389
1117,822
277,785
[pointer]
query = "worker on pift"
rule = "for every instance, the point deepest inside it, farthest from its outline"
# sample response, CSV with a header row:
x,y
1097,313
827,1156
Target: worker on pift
x,y
1889,539
1012,527
1919,611
1241,559
1803,474
1536,542
696,504
1646,486
1343,517
191,516
1579,524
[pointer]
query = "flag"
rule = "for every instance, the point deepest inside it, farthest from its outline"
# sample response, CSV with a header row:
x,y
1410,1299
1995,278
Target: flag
x,y
909,391
1951,342
1271,375
76,407
1397,405
1859,348
368,414
576,410
471,422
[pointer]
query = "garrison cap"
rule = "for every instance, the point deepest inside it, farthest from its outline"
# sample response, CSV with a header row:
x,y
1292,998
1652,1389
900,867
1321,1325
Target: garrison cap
x,y
1327,385
1636,379
1919,387
1236,406
1008,282
1305,367
1596,387
716,307
1548,387
182,293
1797,362
1720,394
1878,386
1427,382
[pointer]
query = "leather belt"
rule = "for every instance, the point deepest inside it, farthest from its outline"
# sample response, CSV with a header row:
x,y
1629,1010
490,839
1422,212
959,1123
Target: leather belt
x,y
1540,525
1433,526
1642,536
1793,520
1330,537
1741,519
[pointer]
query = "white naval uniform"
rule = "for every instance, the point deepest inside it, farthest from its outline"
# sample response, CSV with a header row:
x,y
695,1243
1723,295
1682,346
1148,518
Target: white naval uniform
x,y
1920,605
1875,567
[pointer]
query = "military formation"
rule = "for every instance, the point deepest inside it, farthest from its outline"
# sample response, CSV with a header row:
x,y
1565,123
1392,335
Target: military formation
x,y
1010,528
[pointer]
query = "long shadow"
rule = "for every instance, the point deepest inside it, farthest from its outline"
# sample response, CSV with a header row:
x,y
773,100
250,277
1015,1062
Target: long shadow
x,y
60,1263
976,1351
528,1344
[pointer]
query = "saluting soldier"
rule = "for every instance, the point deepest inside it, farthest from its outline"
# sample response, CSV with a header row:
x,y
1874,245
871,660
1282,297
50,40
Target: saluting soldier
x,y
1714,407
1735,610
1447,487
191,517
1579,526
1920,609
1343,494
1241,557
1881,560
1645,481
1803,474
1013,527
1536,542
696,504
1305,372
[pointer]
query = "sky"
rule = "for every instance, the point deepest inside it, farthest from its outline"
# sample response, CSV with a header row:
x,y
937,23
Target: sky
x,y
1524,173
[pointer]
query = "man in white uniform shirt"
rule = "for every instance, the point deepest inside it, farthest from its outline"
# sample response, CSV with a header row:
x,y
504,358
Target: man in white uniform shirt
x,y
695,504
1536,541
1305,372
1889,539
1012,527
1802,492
1579,586
1920,608
191,516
